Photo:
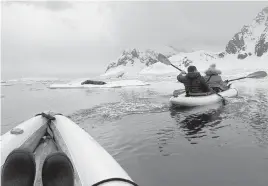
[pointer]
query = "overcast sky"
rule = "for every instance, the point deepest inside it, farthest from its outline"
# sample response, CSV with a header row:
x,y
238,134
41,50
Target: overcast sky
x,y
67,38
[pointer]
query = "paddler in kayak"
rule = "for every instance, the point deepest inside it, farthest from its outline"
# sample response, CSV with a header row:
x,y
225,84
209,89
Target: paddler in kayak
x,y
195,84
214,79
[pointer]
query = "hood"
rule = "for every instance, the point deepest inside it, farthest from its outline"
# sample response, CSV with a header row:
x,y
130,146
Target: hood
x,y
212,71
193,75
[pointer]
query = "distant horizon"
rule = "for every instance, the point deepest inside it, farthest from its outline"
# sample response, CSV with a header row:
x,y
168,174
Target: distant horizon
x,y
75,74
72,74
78,38
52,76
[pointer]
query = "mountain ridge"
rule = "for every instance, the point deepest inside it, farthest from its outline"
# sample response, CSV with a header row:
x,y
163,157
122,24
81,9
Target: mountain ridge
x,y
251,40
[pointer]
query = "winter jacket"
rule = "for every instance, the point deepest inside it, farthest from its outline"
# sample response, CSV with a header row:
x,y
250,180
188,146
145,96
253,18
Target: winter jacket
x,y
214,80
194,83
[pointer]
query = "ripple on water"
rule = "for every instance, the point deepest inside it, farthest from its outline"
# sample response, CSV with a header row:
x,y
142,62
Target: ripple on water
x,y
131,103
251,109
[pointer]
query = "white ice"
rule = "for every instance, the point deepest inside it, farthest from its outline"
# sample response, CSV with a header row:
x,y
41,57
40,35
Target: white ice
x,y
112,84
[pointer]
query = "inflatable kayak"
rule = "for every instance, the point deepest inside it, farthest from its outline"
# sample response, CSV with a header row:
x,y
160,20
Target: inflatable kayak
x,y
44,133
182,100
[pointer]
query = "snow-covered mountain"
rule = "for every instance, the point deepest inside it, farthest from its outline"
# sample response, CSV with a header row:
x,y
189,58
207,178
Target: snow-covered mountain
x,y
147,57
133,62
252,39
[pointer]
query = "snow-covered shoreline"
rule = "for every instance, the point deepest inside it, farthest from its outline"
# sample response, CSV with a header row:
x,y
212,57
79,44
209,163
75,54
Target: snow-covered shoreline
x,y
227,65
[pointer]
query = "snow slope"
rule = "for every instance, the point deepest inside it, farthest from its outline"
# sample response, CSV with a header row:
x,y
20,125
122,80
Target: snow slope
x,y
132,62
181,60
202,60
251,39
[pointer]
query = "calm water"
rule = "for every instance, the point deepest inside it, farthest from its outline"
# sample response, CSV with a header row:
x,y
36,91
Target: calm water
x,y
156,144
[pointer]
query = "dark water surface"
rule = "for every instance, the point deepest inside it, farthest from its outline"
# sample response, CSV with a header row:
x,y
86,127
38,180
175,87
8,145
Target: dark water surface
x,y
155,143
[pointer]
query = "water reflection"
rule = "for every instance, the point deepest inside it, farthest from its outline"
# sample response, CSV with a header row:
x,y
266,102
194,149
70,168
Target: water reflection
x,y
193,124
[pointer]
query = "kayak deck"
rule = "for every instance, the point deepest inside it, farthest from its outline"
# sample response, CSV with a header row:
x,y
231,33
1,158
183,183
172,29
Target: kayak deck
x,y
45,134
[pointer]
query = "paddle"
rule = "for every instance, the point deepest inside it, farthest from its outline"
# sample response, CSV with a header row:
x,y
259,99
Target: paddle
x,y
166,61
222,98
258,74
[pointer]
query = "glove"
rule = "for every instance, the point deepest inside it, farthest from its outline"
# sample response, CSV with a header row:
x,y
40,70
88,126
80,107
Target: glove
x,y
176,93
183,72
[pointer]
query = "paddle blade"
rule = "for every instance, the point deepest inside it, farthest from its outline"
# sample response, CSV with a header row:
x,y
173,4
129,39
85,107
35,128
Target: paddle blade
x,y
163,59
259,74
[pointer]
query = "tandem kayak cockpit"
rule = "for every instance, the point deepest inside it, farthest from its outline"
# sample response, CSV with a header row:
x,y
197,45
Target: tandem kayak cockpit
x,y
183,100
46,133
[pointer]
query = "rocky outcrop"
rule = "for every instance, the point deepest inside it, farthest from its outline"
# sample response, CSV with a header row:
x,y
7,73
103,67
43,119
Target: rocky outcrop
x,y
129,57
111,65
242,56
221,55
252,39
236,45
186,62
262,44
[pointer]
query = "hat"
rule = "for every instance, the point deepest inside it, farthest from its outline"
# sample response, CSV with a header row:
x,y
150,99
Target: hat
x,y
213,65
191,69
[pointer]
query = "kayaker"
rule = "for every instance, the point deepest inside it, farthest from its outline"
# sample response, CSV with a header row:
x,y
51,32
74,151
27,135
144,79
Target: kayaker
x,y
214,79
195,84
19,169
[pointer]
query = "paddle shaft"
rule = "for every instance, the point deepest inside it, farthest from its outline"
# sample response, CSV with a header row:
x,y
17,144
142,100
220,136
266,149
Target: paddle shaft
x,y
175,67
237,79
222,98
258,74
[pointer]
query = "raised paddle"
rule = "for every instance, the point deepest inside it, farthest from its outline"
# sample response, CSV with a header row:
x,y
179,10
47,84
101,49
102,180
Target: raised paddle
x,y
166,61
256,75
